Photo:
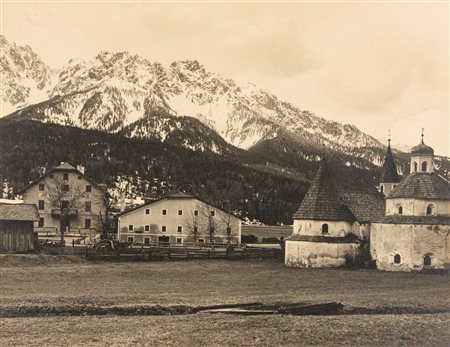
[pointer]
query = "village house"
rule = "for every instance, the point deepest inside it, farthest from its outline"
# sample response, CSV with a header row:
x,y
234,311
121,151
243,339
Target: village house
x,y
17,228
178,218
414,233
330,226
66,200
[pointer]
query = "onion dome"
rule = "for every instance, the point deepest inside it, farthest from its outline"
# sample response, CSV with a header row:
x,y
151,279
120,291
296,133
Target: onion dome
x,y
422,149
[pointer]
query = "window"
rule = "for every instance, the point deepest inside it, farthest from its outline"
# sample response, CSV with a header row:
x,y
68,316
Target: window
x,y
88,188
195,212
147,211
65,188
415,166
164,212
41,204
180,212
41,186
179,240
213,213
195,230
130,239
430,209
382,189
147,228
146,240
397,259
180,229
324,228
424,166
41,223
212,230
229,231
427,260
64,204
130,227
163,229
87,206
65,176
87,223
400,210
201,240
395,185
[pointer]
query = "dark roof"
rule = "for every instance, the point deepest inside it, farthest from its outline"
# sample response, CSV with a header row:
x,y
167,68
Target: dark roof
x,y
422,185
19,212
402,219
62,167
389,174
174,196
366,206
322,201
327,239
422,149
267,230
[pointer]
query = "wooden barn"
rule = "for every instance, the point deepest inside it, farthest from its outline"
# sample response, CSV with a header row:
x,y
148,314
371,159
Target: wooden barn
x,y
17,228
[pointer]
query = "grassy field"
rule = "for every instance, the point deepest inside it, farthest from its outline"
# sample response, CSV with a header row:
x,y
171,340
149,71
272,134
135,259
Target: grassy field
x,y
49,282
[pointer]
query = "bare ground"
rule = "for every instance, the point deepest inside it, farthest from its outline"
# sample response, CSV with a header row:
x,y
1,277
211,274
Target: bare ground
x,y
195,283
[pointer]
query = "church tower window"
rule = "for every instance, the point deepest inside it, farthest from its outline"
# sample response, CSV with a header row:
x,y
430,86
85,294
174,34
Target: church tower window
x,y
415,167
324,228
424,166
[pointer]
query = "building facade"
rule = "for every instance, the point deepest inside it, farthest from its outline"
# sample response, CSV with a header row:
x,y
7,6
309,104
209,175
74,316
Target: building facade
x,y
66,200
331,227
414,233
178,218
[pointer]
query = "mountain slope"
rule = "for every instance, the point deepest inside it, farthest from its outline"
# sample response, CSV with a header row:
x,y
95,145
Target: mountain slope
x,y
114,90
26,79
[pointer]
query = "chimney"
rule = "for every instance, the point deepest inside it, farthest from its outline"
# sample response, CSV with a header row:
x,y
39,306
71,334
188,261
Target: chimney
x,y
42,170
80,168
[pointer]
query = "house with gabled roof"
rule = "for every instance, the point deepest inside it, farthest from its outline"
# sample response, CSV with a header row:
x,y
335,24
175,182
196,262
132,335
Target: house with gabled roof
x,y
67,200
178,218
331,225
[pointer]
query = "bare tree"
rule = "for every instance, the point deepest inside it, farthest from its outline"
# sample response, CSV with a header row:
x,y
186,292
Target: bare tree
x,y
192,223
66,200
225,218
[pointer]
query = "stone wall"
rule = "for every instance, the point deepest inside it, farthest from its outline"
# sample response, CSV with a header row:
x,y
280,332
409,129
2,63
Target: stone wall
x,y
318,254
412,243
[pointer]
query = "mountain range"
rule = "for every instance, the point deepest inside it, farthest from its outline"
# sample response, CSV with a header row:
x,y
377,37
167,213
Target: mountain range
x,y
182,105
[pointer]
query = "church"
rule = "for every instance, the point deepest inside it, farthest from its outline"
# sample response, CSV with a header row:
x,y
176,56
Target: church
x,y
414,232
331,227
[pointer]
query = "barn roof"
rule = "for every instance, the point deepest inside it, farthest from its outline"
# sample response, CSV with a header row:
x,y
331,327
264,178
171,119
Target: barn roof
x,y
389,174
402,219
422,185
16,212
322,201
366,206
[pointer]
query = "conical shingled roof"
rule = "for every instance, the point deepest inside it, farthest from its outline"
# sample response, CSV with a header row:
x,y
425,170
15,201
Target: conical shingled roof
x,y
322,201
422,185
389,174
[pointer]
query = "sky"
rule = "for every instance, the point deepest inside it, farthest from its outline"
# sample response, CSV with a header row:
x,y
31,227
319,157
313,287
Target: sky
x,y
378,65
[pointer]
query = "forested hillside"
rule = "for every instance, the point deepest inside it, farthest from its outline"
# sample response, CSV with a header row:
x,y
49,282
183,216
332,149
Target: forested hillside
x,y
256,184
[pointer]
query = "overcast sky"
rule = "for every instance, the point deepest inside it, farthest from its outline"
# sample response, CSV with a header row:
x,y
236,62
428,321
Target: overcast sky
x,y
379,66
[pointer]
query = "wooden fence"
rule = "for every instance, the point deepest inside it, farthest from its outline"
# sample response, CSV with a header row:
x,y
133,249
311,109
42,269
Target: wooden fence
x,y
185,252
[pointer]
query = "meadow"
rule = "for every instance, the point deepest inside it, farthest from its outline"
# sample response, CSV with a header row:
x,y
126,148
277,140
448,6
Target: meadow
x,y
400,308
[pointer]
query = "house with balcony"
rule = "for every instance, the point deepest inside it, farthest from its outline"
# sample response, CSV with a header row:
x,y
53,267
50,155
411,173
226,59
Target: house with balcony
x,y
178,218
67,200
